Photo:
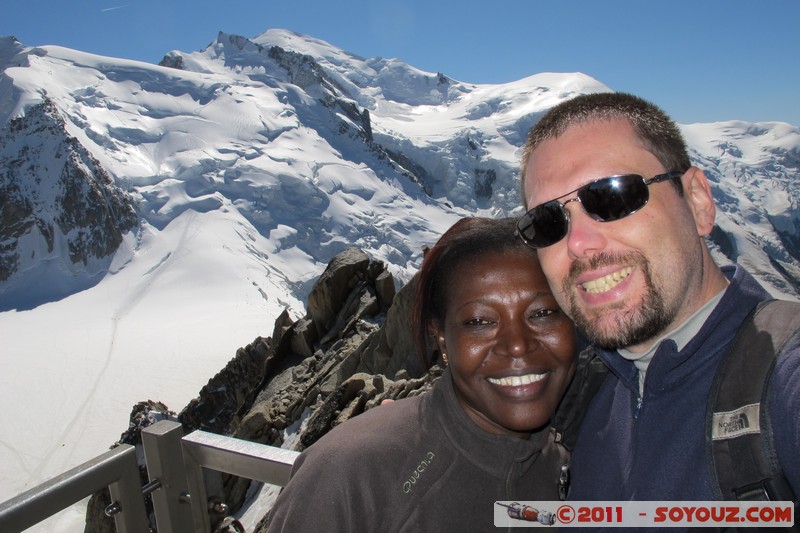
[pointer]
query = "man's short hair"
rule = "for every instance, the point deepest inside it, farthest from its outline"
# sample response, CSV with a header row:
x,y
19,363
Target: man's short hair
x,y
658,132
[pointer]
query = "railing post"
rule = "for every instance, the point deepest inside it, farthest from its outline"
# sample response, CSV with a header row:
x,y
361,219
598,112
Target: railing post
x,y
127,490
197,489
164,456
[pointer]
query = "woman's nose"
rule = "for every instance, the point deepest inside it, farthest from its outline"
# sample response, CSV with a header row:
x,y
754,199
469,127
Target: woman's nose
x,y
515,340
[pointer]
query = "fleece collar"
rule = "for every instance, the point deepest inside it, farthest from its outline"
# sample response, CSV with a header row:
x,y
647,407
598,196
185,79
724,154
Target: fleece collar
x,y
495,454
670,366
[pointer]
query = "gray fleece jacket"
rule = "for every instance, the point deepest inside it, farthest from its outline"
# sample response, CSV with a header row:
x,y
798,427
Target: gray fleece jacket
x,y
418,464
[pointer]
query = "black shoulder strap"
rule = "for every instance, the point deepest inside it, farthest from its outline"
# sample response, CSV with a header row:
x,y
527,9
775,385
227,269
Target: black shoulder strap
x,y
741,455
589,375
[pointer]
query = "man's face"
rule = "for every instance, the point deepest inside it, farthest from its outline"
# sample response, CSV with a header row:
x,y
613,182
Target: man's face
x,y
627,281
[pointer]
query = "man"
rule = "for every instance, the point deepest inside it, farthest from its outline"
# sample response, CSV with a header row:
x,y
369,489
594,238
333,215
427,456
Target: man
x,y
626,258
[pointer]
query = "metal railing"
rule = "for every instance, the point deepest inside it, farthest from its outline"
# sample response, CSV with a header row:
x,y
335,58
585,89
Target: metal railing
x,y
178,468
116,469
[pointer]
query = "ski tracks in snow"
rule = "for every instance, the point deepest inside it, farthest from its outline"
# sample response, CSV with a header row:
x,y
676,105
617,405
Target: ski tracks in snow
x,y
75,426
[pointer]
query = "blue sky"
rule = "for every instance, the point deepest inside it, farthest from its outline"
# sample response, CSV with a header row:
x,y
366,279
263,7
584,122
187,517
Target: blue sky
x,y
701,60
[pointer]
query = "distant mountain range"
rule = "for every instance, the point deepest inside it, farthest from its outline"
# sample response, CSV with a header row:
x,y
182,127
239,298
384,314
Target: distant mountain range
x,y
315,149
175,207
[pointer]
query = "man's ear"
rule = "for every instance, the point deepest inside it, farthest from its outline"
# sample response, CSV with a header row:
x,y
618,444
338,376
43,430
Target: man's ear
x,y
697,192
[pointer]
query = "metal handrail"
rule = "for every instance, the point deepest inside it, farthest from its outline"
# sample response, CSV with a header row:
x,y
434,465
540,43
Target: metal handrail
x,y
242,458
177,467
116,468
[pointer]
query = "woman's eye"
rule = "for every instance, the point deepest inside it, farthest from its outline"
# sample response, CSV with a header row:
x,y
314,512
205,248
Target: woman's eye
x,y
477,322
542,313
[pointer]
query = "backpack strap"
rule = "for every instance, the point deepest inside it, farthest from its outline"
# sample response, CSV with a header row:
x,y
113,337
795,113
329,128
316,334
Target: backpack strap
x,y
742,461
590,373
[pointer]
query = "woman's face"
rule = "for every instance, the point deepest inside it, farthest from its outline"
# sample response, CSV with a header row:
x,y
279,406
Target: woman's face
x,y
510,348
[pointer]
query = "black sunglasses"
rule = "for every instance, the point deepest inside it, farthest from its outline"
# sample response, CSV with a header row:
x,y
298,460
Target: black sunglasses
x,y
605,200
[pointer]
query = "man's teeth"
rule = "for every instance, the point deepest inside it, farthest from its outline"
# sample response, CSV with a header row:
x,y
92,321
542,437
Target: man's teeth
x,y
516,381
606,283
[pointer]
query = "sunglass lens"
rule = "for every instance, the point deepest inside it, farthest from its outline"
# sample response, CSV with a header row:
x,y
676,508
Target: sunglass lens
x,y
543,225
614,198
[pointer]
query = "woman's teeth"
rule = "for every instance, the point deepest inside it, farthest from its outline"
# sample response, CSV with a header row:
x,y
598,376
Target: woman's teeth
x,y
516,381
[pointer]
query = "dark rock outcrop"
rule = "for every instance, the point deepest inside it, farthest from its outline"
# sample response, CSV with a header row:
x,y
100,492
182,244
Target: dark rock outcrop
x,y
56,201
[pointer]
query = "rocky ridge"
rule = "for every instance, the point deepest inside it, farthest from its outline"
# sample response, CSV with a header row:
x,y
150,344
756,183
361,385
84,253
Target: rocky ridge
x,y
351,351
58,205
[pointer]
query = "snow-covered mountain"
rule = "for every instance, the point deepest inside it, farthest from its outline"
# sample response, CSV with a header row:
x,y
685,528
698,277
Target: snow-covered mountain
x,y
207,193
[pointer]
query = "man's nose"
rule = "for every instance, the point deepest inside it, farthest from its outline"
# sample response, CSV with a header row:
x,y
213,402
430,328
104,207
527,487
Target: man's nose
x,y
585,235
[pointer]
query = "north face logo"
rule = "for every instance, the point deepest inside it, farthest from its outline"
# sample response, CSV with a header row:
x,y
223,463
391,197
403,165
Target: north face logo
x,y
734,424
737,422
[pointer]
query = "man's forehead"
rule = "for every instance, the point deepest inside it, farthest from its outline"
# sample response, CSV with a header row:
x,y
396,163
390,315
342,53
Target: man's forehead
x,y
582,153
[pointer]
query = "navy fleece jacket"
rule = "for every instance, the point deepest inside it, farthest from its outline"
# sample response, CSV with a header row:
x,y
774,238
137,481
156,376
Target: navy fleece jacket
x,y
653,447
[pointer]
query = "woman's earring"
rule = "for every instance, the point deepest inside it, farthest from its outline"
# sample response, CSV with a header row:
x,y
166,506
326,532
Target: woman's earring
x,y
444,358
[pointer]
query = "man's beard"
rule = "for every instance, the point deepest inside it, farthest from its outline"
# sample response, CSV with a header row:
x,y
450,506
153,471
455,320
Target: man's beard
x,y
619,326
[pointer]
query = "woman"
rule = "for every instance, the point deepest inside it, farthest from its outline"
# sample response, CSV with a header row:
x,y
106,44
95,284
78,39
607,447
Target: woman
x,y
440,461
